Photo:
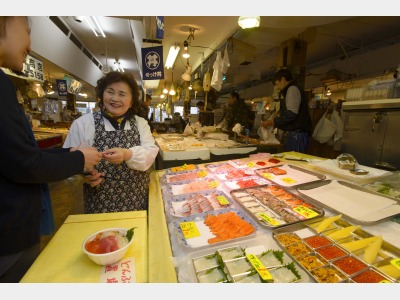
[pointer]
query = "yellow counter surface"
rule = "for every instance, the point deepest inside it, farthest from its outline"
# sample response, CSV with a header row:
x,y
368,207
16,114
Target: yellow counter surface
x,y
63,260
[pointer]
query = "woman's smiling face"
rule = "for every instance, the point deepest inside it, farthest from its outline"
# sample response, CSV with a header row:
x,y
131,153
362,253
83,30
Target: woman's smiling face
x,y
117,98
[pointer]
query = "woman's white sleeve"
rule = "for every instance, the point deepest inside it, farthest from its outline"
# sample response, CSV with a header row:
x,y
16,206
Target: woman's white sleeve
x,y
143,156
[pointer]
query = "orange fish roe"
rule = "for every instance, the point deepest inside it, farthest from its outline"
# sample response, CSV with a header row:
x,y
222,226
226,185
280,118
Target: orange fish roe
x,y
227,226
317,241
331,252
349,265
368,276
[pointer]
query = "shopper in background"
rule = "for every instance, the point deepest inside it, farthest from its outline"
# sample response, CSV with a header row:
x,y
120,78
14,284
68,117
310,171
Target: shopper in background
x,y
127,145
294,118
205,119
238,112
25,207
145,110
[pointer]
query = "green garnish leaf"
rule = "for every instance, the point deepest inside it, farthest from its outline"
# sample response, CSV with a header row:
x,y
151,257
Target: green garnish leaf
x,y
129,233
292,268
278,254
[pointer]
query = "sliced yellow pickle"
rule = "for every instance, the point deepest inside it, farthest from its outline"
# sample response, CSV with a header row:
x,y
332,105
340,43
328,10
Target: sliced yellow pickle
x,y
372,250
359,244
325,223
342,233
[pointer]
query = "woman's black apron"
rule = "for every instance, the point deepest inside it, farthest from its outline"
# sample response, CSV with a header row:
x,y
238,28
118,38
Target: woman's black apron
x,y
128,190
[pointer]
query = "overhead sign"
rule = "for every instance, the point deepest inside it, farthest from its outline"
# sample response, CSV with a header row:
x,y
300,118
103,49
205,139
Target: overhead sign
x,y
160,27
152,63
62,87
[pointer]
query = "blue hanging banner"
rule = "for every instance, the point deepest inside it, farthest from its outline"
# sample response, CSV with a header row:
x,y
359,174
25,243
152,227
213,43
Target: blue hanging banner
x,y
152,63
62,87
160,27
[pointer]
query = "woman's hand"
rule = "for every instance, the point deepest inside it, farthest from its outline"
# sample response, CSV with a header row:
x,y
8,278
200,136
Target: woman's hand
x,y
267,123
94,178
117,155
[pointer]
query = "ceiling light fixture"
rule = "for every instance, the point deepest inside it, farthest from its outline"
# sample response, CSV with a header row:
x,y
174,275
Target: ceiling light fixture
x,y
185,48
119,67
95,26
186,76
172,54
249,22
328,92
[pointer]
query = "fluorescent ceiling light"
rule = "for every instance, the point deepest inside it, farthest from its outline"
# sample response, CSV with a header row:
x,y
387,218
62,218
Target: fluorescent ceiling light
x,y
249,22
151,84
94,24
172,54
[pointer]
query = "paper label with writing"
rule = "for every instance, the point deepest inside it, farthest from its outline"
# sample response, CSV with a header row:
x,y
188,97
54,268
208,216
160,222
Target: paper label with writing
x,y
288,180
267,175
268,219
261,270
202,173
222,200
305,212
250,164
213,184
122,271
189,229
396,262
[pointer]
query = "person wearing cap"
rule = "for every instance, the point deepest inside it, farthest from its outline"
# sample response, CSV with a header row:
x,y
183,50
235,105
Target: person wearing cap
x,y
294,118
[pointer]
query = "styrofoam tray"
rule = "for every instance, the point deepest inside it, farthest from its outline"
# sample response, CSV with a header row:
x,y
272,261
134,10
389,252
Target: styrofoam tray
x,y
233,184
204,231
176,203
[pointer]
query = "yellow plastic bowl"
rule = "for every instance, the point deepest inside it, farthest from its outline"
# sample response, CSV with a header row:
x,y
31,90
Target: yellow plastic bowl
x,y
107,258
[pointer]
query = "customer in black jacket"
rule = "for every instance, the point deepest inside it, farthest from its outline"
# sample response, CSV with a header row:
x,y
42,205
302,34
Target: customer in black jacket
x,y
294,118
24,168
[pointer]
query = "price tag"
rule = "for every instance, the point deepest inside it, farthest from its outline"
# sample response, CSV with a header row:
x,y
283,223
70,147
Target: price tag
x,y
184,167
288,180
396,262
305,212
267,175
213,184
384,281
268,219
250,164
222,200
202,173
261,270
189,229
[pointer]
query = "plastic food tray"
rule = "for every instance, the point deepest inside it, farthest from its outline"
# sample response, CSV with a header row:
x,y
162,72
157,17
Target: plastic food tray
x,y
180,188
303,231
175,203
220,168
233,184
294,175
356,203
229,259
185,176
182,167
204,233
276,208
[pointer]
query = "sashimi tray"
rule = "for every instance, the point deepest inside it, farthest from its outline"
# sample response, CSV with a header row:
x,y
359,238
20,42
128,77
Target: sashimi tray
x,y
213,227
247,181
332,250
192,186
251,261
289,175
254,163
358,204
273,206
185,176
181,169
196,203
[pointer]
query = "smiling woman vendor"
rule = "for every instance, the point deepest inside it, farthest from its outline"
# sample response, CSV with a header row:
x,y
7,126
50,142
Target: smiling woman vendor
x,y
120,181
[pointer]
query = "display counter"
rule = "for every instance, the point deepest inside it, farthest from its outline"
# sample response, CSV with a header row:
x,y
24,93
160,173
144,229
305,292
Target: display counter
x,y
161,256
48,140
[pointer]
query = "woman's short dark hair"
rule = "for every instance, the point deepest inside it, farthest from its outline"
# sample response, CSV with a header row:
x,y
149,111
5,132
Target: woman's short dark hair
x,y
282,73
114,77
235,95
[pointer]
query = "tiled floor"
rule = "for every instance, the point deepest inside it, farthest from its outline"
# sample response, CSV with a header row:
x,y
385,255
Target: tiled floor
x,y
67,199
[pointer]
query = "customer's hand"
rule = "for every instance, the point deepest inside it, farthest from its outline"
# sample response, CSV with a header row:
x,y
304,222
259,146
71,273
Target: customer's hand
x,y
267,123
92,157
117,155
94,178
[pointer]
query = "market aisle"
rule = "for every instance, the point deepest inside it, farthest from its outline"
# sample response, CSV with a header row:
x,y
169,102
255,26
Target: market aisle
x,y
67,199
